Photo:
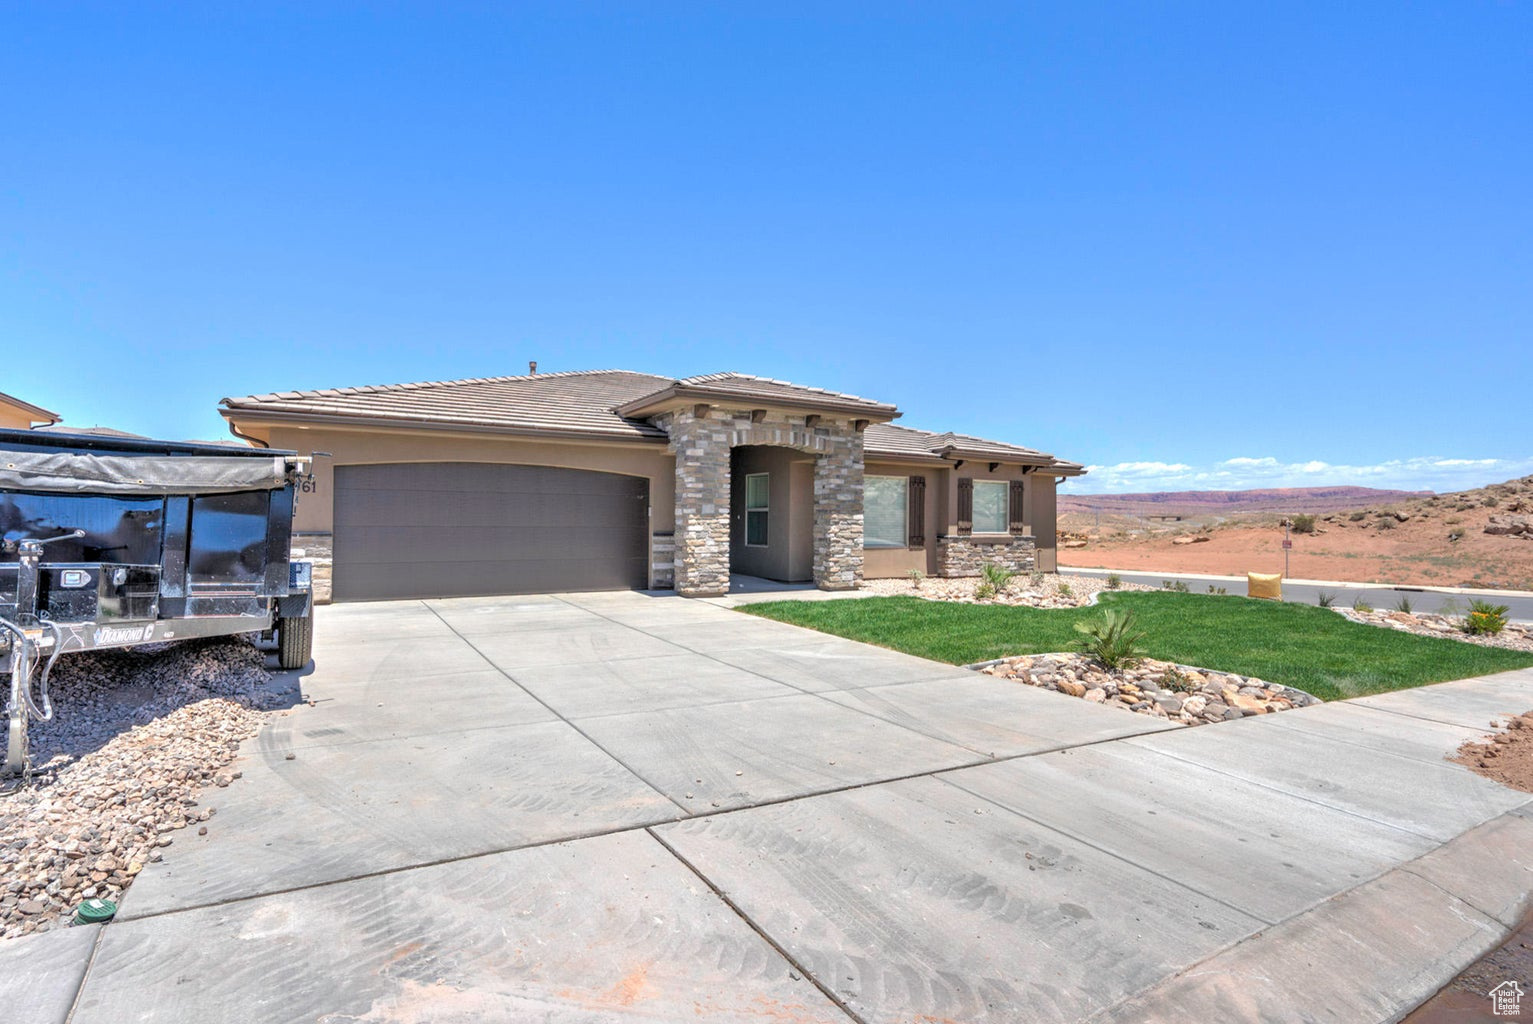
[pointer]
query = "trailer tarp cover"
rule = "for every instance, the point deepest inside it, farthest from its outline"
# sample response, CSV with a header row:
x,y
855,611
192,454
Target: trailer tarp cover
x,y
63,472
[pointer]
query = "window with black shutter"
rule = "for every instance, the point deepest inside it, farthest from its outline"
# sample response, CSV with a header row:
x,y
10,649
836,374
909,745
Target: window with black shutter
x,y
917,515
965,518
1018,498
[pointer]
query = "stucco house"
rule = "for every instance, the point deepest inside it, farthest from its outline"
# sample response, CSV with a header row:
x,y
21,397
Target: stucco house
x,y
610,479
18,415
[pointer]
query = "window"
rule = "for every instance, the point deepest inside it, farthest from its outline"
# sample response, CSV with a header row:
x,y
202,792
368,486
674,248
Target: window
x,y
758,496
883,511
990,506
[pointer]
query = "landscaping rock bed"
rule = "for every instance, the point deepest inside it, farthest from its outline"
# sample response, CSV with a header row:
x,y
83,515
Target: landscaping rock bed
x,y
1033,590
136,735
1180,693
1515,636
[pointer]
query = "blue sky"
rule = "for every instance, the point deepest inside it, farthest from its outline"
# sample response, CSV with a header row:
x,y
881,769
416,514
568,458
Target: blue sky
x,y
1188,244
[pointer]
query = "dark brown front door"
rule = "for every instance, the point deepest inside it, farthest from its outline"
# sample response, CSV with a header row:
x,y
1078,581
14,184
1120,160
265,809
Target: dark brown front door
x,y
460,529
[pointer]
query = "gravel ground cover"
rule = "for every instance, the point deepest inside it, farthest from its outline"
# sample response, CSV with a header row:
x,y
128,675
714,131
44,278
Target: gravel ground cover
x,y
1161,689
136,737
1031,590
1515,637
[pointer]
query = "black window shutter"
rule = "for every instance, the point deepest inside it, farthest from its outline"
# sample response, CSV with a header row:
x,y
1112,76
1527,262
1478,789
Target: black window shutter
x,y
965,505
1018,496
916,519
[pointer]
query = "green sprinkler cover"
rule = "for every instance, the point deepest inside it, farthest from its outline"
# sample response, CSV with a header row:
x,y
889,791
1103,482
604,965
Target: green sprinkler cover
x,y
95,911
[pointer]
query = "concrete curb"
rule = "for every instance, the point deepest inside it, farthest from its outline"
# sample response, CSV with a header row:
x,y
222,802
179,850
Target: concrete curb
x,y
1373,952
1352,585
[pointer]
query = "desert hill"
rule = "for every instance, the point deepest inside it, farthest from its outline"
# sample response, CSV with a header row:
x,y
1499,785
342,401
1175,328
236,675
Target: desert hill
x,y
1270,499
1478,538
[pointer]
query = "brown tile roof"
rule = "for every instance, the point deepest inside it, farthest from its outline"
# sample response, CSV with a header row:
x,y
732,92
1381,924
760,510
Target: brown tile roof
x,y
577,402
886,440
745,387
593,403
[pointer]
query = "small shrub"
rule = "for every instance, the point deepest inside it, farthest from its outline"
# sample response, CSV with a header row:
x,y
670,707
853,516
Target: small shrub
x,y
1112,640
916,576
1491,501
1453,520
1357,517
997,575
1176,680
1302,524
1216,590
1114,581
1065,590
1175,586
1360,605
1387,524
984,591
1485,619
1325,599
1403,605
1035,578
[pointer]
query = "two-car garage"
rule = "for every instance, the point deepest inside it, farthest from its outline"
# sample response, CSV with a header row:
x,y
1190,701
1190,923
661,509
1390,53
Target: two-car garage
x,y
443,529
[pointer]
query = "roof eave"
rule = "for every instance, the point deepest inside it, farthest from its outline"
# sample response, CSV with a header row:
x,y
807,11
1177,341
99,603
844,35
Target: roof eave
x,y
913,458
234,414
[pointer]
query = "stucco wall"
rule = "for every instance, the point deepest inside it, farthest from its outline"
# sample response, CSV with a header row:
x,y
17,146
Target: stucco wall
x,y
886,563
315,513
11,419
1041,497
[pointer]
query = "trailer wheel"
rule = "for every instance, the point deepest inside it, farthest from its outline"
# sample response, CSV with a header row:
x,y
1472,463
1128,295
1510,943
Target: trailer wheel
x,y
295,640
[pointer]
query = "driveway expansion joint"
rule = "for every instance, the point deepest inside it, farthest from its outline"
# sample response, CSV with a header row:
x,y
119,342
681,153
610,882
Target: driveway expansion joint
x,y
766,936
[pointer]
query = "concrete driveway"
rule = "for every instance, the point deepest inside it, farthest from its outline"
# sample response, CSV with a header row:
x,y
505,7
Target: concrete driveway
x,y
621,807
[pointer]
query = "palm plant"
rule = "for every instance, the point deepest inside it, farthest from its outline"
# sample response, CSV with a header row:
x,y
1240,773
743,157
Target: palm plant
x,y
997,575
1113,640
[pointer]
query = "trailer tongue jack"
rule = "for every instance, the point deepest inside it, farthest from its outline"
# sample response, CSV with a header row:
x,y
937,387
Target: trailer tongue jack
x,y
30,635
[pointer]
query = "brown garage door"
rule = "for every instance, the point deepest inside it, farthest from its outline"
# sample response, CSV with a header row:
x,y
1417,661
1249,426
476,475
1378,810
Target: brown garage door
x,y
458,528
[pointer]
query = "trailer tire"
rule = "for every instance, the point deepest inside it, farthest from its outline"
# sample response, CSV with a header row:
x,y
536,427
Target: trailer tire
x,y
295,640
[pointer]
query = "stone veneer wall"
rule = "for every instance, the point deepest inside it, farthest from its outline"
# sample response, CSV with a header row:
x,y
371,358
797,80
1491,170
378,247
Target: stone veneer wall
x,y
962,556
662,561
702,444
316,548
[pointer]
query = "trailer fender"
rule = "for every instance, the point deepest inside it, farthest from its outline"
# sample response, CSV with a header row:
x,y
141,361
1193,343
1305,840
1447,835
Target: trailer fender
x,y
295,606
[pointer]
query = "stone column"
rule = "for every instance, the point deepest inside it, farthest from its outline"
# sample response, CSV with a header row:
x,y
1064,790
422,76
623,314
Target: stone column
x,y
838,514
701,447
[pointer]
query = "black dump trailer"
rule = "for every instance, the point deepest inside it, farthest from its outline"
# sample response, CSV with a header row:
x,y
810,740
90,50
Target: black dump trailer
x,y
110,541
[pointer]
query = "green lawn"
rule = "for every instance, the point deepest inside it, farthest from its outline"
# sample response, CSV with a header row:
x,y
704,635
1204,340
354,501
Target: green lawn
x,y
1297,645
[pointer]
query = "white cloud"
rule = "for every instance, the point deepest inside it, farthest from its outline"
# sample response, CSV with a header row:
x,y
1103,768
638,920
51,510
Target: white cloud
x,y
1242,472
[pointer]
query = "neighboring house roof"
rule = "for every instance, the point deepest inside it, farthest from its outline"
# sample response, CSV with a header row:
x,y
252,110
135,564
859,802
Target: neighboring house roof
x,y
36,412
61,428
607,404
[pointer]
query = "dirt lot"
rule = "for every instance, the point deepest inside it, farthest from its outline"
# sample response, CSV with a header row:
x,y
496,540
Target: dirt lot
x,y
1506,757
